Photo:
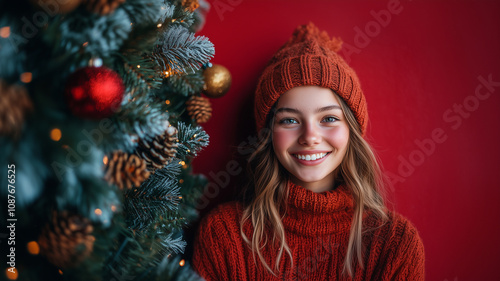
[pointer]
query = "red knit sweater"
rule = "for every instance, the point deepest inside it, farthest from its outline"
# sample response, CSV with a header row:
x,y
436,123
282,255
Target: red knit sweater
x,y
317,232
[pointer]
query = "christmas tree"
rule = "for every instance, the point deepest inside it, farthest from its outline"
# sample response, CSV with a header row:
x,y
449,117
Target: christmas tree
x,y
100,108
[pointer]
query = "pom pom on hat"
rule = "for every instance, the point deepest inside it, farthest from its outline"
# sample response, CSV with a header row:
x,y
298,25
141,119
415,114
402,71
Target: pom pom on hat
x,y
309,58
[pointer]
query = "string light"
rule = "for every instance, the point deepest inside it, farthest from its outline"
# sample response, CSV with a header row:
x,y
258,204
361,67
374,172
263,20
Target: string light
x,y
26,77
5,32
55,134
159,25
182,162
138,66
167,102
33,248
181,181
113,208
11,275
60,272
98,212
105,160
182,262
85,44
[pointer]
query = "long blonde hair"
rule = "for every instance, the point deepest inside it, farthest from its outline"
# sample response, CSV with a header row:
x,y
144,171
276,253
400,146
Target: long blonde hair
x,y
268,189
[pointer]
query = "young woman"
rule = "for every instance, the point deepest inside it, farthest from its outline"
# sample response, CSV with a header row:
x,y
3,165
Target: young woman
x,y
315,209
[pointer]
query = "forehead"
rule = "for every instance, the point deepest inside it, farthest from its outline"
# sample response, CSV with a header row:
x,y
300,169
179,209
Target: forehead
x,y
307,97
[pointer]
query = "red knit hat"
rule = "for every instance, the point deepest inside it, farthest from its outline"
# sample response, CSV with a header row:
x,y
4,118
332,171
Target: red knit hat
x,y
309,58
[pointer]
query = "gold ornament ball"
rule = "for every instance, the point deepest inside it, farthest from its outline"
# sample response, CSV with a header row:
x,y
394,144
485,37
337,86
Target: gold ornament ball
x,y
217,81
59,7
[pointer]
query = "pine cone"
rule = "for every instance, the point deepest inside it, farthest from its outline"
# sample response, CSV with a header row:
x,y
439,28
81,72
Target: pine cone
x,y
126,170
14,105
158,152
191,5
199,108
103,7
66,241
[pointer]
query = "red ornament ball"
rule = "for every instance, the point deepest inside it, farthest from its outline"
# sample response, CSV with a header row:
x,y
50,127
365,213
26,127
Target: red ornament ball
x,y
94,92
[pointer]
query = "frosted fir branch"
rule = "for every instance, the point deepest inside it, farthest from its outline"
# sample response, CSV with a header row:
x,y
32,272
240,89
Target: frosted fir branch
x,y
139,75
102,34
170,171
141,117
179,51
157,195
167,245
184,84
144,12
176,14
191,140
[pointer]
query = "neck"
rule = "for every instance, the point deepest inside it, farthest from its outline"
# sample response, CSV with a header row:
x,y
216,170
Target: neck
x,y
322,185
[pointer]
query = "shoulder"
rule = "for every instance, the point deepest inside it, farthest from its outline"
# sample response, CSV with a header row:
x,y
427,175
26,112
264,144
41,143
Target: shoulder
x,y
404,231
225,218
401,247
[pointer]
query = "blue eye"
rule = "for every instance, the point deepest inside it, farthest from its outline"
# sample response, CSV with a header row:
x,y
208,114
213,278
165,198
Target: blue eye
x,y
288,121
330,119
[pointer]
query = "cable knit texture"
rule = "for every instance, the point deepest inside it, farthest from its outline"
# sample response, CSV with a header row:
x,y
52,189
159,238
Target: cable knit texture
x,y
309,58
317,231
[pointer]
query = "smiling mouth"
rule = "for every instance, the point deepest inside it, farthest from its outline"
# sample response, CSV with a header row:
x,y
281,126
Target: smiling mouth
x,y
311,157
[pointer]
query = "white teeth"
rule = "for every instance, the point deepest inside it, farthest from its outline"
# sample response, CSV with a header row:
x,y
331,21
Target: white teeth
x,y
310,157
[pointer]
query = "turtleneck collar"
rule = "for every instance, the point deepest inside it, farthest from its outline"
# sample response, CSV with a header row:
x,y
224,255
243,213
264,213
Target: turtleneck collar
x,y
310,213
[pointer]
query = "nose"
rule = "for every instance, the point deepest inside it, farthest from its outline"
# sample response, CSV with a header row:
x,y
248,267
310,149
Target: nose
x,y
310,135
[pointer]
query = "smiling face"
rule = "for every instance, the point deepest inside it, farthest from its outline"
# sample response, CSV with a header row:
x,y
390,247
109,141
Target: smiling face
x,y
310,136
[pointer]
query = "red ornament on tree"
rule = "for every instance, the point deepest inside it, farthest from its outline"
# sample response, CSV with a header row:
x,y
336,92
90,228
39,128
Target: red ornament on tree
x,y
94,92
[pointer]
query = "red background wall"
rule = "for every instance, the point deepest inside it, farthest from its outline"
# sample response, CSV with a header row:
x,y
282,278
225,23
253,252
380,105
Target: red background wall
x,y
419,71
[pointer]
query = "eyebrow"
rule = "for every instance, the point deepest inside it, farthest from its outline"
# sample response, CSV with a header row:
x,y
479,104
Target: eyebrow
x,y
321,109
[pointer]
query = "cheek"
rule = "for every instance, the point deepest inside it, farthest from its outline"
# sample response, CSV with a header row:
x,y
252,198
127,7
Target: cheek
x,y
282,140
338,138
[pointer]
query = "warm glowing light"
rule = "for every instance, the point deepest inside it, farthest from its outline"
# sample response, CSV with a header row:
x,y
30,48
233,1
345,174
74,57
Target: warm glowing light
x,y
182,262
167,102
159,25
182,162
85,44
5,32
105,160
55,134
26,77
185,166
98,212
181,181
180,197
138,66
33,248
11,273
166,73
113,208
60,272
